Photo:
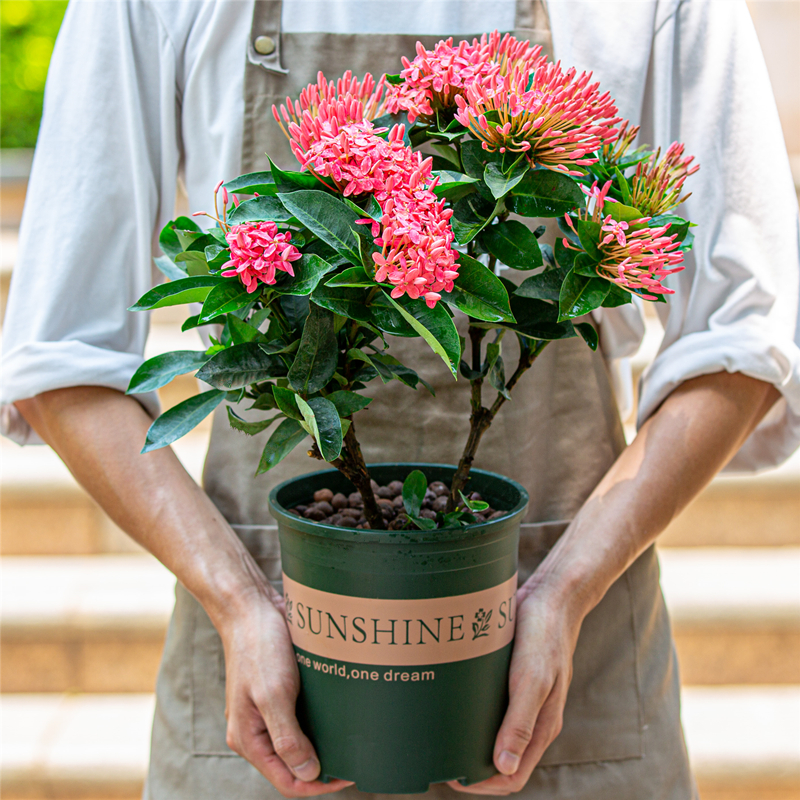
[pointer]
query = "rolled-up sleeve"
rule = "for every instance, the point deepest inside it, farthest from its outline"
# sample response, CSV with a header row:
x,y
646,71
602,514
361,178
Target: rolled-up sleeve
x,y
735,306
102,182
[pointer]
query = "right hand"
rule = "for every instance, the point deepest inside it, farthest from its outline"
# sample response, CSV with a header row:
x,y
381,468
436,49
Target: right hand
x,y
262,685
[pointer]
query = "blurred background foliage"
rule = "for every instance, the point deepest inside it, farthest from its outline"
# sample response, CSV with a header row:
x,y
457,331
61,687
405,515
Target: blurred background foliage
x,y
28,30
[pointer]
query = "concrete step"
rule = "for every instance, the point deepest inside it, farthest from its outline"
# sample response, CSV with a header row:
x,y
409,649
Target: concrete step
x,y
744,742
97,623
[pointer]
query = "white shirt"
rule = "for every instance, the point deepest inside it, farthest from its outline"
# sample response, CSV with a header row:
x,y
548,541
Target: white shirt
x,y
137,89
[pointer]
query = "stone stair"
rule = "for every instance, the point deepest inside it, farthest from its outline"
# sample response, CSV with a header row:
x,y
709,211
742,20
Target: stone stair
x,y
84,613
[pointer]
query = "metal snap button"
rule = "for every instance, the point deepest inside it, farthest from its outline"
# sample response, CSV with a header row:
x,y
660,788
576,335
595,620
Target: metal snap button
x,y
264,45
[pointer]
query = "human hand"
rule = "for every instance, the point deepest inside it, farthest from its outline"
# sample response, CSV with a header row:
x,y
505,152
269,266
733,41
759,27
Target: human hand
x,y
262,684
539,677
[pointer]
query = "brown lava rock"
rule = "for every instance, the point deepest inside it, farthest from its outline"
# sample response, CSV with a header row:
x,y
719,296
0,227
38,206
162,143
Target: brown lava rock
x,y
323,495
339,501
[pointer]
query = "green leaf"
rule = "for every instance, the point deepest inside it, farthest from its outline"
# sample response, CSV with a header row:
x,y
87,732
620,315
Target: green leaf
x,y
308,272
196,262
327,217
414,487
677,225
184,290
473,158
580,295
321,417
283,440
544,286
240,365
347,302
168,238
317,354
168,268
471,214
389,368
473,505
180,419
478,292
617,296
387,318
448,154
501,183
252,182
422,523
229,295
288,181
259,209
621,212
354,276
537,319
565,257
435,326
544,193
453,185
624,187
585,265
160,370
286,400
589,334
513,244
348,403
497,376
589,234
250,428
242,332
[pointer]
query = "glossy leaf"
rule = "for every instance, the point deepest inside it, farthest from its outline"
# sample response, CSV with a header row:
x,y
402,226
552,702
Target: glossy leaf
x,y
478,292
544,286
327,217
621,212
184,290
473,158
242,332
168,268
414,487
321,417
589,234
283,440
589,334
317,354
348,403
497,375
195,262
513,244
544,193
308,272
565,256
160,370
168,238
435,326
354,276
617,296
250,428
286,401
473,505
348,302
180,419
677,225
471,214
252,182
240,365
580,295
259,208
387,318
537,319
226,296
290,181
501,182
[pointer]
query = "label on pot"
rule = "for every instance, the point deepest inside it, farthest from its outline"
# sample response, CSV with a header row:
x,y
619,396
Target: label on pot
x,y
366,630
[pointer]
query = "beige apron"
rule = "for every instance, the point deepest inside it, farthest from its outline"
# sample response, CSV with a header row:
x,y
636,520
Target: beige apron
x,y
621,738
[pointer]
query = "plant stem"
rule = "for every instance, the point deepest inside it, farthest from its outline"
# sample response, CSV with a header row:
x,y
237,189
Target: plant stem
x,y
351,464
481,418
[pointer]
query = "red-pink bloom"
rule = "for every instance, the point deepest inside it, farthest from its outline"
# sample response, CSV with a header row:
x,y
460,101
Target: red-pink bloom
x,y
656,186
257,251
325,106
558,119
600,196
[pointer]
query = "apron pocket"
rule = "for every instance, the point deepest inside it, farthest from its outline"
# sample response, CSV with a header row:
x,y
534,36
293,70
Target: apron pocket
x,y
603,715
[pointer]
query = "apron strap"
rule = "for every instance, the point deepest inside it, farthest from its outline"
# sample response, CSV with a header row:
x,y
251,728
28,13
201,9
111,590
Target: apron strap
x,y
264,46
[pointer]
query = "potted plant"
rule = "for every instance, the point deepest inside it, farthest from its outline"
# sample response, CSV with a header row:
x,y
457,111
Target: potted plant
x,y
399,579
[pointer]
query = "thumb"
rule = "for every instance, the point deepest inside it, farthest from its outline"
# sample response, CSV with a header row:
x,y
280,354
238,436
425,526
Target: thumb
x,y
518,725
289,742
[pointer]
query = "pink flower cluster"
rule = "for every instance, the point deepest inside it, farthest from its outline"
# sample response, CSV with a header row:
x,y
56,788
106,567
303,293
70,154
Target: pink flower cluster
x,y
633,255
656,186
334,140
257,251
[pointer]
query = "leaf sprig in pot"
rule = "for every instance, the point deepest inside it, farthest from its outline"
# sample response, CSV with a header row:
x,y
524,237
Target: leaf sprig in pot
x,y
406,210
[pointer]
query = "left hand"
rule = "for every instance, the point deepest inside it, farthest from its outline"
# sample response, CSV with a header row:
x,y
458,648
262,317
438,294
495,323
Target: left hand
x,y
539,677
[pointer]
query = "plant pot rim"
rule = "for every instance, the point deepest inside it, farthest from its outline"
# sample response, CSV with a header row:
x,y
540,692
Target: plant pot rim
x,y
354,535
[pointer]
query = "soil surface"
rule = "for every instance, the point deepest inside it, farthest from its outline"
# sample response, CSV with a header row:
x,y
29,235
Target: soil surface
x,y
347,511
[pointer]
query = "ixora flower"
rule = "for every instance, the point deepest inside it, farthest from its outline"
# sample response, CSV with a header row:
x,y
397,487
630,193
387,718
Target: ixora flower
x,y
324,106
257,251
656,186
557,118
436,77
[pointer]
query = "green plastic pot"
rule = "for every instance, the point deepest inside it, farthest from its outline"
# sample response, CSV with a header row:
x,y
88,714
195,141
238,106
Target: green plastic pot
x,y
403,638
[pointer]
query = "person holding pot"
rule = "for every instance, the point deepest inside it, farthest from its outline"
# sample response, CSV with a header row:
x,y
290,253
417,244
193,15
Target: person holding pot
x,y
139,92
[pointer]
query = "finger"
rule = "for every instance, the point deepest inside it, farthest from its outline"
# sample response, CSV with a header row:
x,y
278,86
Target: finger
x,y
291,745
519,722
548,725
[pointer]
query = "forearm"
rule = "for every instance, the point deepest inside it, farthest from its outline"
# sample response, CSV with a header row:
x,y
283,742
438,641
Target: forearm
x,y
696,431
99,433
